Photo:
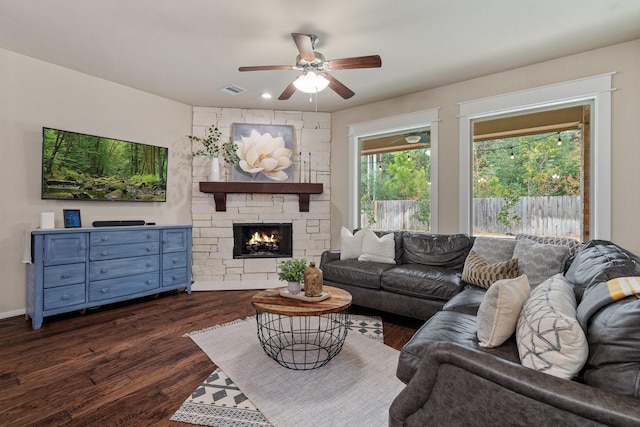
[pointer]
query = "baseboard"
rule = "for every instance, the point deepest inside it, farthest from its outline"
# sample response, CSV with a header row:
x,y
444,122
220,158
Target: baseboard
x,y
234,285
13,313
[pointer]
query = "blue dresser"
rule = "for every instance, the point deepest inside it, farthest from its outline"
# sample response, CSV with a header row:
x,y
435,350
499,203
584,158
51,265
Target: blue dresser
x,y
74,269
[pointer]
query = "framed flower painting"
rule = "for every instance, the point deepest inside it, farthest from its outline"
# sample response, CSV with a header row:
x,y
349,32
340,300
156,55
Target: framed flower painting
x,y
265,152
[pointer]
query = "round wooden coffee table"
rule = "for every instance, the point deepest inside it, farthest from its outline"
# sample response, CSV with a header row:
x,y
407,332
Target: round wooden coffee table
x,y
299,334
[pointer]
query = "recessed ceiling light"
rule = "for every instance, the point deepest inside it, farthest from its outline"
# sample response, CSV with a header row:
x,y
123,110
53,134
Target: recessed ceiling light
x,y
266,95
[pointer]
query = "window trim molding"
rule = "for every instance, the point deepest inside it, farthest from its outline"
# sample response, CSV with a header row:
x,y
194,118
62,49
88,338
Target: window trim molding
x,y
596,89
400,123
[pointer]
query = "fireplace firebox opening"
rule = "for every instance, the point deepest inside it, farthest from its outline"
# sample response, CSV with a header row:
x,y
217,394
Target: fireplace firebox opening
x,y
262,240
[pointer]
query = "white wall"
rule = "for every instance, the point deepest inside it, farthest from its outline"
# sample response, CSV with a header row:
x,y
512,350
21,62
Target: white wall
x,y
624,59
34,94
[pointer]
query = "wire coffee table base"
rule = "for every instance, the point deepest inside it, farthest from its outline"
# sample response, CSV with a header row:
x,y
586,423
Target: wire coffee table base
x,y
302,342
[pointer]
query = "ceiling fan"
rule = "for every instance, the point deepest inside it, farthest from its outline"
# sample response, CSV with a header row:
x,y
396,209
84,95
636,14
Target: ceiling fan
x,y
315,68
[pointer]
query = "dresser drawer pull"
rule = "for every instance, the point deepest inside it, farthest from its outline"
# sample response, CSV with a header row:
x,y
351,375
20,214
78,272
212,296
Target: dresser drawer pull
x,y
104,270
105,253
65,275
149,264
174,277
65,297
150,282
175,261
149,249
104,290
83,247
105,238
149,236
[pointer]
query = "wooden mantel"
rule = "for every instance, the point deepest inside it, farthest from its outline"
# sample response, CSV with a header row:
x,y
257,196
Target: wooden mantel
x,y
221,189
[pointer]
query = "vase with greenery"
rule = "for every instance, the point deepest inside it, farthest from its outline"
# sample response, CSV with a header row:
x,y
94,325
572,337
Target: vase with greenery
x,y
292,271
214,151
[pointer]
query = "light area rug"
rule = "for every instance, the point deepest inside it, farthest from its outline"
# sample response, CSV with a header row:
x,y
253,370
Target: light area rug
x,y
355,388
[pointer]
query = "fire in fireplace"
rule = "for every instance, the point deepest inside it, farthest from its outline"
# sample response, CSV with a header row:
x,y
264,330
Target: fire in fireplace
x,y
262,240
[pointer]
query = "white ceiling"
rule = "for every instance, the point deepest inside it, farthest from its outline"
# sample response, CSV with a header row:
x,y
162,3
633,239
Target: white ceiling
x,y
186,50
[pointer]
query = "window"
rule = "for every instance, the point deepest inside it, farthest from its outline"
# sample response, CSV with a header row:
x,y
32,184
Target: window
x,y
395,181
528,175
396,126
595,91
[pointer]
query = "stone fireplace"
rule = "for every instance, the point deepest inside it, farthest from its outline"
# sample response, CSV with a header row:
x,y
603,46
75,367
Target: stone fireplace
x,y
216,265
262,240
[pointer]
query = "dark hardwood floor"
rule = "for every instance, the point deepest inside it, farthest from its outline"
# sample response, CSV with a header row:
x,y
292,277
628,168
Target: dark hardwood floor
x,y
125,364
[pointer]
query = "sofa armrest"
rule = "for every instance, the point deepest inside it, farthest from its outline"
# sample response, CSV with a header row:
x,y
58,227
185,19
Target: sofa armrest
x,y
455,385
328,256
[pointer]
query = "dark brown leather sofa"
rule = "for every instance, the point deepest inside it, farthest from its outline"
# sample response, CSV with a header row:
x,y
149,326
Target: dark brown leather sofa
x,y
453,381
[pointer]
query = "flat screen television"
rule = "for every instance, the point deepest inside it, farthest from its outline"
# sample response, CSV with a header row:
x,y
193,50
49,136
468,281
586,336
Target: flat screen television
x,y
77,166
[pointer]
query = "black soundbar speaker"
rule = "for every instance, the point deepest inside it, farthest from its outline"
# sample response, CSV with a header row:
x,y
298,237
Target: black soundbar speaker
x,y
118,223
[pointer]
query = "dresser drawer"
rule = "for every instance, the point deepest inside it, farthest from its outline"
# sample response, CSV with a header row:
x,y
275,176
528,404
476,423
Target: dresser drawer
x,y
100,270
174,260
99,238
113,288
63,296
123,251
175,240
66,274
174,277
65,248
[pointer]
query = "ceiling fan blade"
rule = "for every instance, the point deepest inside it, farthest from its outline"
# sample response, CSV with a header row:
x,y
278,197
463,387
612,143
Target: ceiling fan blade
x,y
338,87
371,61
288,91
266,68
305,46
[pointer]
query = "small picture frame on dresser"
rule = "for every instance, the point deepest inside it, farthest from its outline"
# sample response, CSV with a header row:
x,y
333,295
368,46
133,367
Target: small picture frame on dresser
x,y
71,218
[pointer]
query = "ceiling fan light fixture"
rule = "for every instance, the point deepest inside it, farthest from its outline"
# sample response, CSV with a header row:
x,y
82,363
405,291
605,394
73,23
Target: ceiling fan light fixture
x,y
311,82
412,139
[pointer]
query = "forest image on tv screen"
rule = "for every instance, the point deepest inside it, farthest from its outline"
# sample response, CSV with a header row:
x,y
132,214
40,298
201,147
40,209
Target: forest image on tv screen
x,y
85,167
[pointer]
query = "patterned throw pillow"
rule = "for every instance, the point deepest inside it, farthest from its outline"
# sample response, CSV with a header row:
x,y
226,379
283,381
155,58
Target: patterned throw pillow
x,y
494,249
548,335
500,309
479,272
573,244
539,261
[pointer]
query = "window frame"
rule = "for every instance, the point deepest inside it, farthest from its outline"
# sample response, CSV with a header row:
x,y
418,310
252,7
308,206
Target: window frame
x,y
596,89
393,124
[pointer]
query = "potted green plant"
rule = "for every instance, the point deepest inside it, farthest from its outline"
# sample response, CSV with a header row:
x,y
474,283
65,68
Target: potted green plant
x,y
292,271
213,150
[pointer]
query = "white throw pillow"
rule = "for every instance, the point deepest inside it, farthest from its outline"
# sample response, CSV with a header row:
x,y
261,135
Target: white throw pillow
x,y
500,309
548,334
378,249
350,244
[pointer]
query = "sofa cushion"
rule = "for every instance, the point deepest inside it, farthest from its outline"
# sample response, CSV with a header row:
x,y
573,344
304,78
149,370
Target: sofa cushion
x,y
435,249
614,346
468,301
479,272
354,272
597,255
494,249
350,244
378,249
447,326
423,281
500,309
539,261
549,336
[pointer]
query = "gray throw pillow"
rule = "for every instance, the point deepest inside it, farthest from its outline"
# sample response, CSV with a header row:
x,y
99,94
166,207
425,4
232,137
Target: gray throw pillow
x,y
494,249
539,261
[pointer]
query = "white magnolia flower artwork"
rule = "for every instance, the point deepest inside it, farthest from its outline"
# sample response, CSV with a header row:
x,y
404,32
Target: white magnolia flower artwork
x,y
264,154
